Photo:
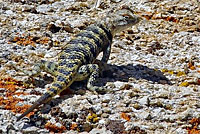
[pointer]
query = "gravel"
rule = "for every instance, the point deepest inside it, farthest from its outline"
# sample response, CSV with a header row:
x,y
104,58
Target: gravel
x,y
154,68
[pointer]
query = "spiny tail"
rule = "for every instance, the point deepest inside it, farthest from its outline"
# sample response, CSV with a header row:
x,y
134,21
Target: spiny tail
x,y
43,99
63,80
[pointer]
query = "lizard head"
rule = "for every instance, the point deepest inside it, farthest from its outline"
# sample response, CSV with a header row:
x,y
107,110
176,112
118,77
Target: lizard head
x,y
121,19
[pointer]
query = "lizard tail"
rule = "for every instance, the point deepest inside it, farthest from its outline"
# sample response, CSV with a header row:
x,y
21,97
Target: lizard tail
x,y
62,81
43,99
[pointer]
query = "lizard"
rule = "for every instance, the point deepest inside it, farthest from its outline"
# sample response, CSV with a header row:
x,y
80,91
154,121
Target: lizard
x,y
76,60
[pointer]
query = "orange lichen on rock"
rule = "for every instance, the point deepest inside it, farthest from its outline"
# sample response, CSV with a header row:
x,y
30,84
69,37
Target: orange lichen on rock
x,y
10,104
73,126
191,65
53,128
194,129
8,101
43,40
192,68
153,16
29,40
24,41
10,84
170,18
22,109
125,116
147,15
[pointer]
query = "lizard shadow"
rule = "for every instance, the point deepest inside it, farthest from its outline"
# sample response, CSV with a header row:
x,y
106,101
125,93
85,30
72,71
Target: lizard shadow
x,y
125,72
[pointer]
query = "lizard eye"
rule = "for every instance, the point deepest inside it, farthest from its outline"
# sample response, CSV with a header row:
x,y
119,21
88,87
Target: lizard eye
x,y
126,16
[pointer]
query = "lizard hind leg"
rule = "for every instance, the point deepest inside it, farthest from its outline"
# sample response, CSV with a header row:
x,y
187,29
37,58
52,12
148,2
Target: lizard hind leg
x,y
90,71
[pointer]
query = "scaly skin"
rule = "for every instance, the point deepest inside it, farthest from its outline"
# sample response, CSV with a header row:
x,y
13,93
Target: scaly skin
x,y
76,61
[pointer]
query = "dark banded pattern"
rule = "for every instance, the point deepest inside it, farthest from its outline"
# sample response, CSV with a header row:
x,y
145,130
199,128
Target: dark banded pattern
x,y
86,43
75,51
91,35
57,85
104,35
108,33
53,90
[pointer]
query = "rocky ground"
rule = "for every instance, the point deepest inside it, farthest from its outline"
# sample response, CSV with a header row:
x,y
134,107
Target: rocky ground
x,y
154,68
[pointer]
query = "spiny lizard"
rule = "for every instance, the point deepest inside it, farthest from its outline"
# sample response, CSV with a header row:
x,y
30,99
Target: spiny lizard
x,y
76,61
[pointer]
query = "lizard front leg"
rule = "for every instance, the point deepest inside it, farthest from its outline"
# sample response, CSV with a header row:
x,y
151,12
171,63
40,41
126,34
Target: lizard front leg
x,y
106,54
103,63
